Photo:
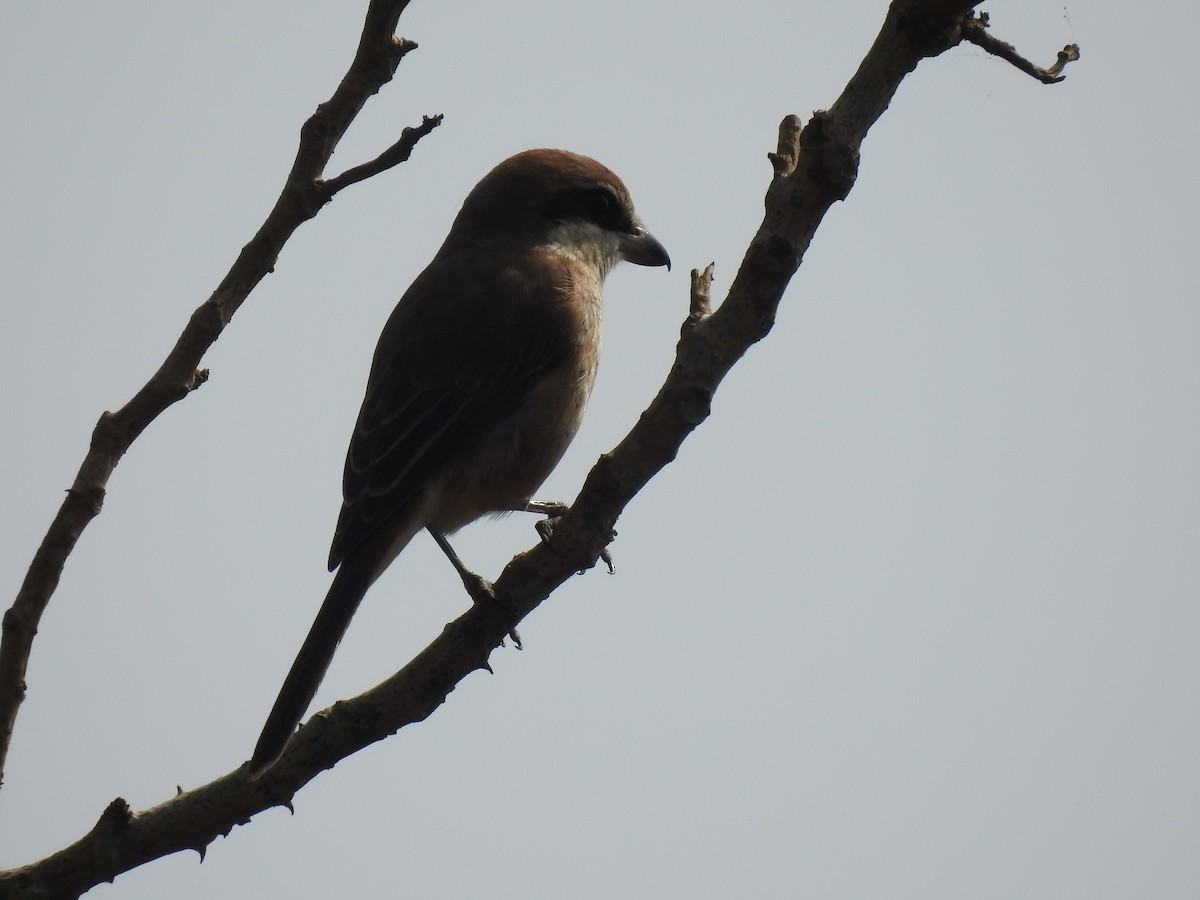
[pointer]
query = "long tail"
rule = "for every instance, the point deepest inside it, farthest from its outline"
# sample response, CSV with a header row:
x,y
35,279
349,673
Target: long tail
x,y
349,585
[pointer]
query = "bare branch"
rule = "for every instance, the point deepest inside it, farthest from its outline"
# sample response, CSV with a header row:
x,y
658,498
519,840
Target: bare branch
x,y
394,155
379,53
975,31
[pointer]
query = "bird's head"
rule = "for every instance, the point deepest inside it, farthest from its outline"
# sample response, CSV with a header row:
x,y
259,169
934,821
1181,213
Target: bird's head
x,y
561,200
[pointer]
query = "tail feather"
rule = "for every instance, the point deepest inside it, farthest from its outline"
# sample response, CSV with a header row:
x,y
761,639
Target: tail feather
x,y
300,686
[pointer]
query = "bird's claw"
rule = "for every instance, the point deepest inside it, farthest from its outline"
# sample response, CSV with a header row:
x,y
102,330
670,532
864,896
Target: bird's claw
x,y
516,639
606,558
545,530
480,590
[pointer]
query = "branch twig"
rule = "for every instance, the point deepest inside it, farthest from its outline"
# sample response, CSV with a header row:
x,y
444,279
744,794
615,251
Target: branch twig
x,y
394,155
975,31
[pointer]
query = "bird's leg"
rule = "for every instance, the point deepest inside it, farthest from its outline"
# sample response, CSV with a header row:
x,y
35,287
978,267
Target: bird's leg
x,y
479,589
551,509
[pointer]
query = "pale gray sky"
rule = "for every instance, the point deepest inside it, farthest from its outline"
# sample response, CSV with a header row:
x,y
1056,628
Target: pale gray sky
x,y
915,613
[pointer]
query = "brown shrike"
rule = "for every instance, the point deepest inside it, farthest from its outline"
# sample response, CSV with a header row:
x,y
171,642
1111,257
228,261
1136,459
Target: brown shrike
x,y
478,384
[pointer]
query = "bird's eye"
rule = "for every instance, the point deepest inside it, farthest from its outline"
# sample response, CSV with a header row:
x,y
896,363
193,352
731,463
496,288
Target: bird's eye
x,y
602,203
596,204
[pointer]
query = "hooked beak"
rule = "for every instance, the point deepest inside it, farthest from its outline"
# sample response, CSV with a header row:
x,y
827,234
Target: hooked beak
x,y
642,248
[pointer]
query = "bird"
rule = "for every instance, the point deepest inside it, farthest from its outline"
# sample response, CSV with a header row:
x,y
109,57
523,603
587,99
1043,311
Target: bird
x,y
478,383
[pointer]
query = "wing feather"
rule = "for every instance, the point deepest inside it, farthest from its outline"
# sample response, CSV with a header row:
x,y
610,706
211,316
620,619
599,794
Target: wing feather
x,y
451,366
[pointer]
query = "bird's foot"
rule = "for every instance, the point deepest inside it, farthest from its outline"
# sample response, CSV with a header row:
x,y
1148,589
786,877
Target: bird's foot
x,y
516,639
545,530
478,588
606,557
482,591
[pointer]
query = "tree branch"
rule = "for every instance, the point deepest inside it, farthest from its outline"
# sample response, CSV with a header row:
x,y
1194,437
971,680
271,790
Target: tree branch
x,y
812,169
975,31
379,53
394,155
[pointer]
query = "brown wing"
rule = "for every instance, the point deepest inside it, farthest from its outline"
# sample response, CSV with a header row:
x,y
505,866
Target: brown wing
x,y
460,354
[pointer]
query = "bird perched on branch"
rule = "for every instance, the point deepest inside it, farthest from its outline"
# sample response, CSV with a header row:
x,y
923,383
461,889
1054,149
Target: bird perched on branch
x,y
478,383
